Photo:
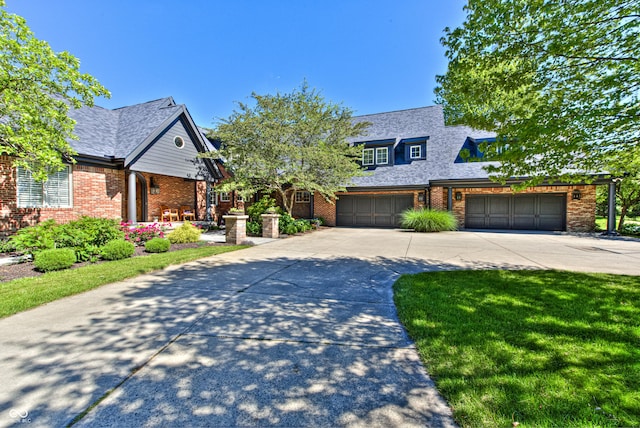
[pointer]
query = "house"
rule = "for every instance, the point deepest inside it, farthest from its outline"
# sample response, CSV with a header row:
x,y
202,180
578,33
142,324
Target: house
x,y
130,161
414,160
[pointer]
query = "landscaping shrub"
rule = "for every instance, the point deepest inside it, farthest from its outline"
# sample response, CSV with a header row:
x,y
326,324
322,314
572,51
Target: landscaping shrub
x,y
54,259
428,220
254,228
139,234
260,207
284,224
32,239
302,225
185,234
117,250
630,229
157,245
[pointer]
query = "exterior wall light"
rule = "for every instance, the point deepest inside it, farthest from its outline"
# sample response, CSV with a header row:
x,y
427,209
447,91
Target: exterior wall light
x,y
458,196
154,187
576,195
421,197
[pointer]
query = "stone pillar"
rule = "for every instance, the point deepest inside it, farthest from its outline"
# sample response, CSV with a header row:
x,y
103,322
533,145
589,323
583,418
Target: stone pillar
x,y
235,228
270,223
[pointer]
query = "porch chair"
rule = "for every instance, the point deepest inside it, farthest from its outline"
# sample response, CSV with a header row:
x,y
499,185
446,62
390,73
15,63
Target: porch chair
x,y
168,214
187,213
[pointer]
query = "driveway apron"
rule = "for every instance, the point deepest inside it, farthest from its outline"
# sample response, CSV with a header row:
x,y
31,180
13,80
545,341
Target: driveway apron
x,y
296,332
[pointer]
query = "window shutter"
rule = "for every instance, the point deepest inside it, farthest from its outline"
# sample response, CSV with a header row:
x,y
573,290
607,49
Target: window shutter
x,y
29,191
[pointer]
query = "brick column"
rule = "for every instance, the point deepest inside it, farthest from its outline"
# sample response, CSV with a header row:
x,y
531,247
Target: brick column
x,y
270,225
236,228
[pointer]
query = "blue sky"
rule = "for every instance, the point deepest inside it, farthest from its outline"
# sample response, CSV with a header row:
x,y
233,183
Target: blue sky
x,y
372,56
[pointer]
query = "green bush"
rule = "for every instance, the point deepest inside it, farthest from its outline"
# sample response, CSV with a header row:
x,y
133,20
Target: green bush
x,y
54,259
32,239
303,225
254,228
428,220
157,245
260,207
117,250
84,235
630,229
285,222
185,234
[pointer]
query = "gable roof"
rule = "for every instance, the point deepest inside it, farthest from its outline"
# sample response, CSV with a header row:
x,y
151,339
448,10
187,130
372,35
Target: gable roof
x,y
125,132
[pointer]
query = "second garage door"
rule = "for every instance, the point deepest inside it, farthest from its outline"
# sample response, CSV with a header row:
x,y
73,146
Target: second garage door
x,y
523,212
372,210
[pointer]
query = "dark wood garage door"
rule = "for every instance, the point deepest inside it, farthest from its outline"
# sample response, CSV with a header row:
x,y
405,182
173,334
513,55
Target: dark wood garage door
x,y
523,212
372,210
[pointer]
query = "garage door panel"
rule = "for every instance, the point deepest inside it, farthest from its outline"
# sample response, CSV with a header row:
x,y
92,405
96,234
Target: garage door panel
x,y
373,210
523,212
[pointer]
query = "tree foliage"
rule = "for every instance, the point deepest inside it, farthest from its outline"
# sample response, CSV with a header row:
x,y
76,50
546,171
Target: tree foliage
x,y
37,88
627,168
558,81
288,142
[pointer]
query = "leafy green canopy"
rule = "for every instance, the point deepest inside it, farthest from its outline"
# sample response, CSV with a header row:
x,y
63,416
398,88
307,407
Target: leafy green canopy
x,y
289,142
37,88
558,81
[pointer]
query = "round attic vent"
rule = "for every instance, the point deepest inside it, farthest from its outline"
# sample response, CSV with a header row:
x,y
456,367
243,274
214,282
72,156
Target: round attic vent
x,y
179,142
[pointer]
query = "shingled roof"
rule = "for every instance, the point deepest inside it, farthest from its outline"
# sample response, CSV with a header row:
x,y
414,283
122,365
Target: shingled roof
x,y
443,145
117,133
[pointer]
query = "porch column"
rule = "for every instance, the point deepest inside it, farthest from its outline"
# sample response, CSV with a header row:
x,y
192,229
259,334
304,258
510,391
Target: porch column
x,y
611,219
131,200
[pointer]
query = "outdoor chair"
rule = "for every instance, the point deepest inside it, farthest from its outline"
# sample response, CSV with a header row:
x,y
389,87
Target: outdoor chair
x,y
187,213
168,214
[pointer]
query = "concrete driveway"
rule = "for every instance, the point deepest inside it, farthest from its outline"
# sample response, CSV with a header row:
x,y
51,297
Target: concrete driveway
x,y
296,332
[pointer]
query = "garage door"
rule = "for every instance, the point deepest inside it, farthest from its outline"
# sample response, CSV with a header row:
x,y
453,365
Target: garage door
x,y
523,212
377,211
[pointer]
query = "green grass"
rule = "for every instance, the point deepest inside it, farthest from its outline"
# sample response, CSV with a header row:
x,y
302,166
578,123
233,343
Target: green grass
x,y
26,293
542,348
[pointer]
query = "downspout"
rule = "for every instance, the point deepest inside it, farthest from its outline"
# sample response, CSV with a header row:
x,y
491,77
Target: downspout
x,y
428,193
449,198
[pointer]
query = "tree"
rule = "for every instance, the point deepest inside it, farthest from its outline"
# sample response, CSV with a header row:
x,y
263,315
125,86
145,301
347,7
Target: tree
x,y
37,88
289,142
627,168
558,81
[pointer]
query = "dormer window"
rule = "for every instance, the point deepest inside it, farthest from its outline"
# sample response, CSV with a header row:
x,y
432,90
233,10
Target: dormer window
x,y
382,156
416,152
368,157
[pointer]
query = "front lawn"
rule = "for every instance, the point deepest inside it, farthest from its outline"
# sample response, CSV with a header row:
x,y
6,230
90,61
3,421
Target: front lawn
x,y
25,293
541,348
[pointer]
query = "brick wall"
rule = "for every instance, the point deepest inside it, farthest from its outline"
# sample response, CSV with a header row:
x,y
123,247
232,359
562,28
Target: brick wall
x,y
581,214
325,209
438,198
174,192
97,192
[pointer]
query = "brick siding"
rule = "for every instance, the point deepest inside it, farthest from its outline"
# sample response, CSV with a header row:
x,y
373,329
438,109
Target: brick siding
x,y
97,192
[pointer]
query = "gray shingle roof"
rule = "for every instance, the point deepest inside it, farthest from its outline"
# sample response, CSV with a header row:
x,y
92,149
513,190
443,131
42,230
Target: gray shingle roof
x,y
103,132
443,146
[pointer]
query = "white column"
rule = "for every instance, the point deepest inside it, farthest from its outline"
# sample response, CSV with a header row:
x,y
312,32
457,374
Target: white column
x,y
131,206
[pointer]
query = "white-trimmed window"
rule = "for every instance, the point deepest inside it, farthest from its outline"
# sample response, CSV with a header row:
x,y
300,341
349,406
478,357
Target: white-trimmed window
x,y
303,197
239,198
368,157
56,192
382,155
416,152
225,197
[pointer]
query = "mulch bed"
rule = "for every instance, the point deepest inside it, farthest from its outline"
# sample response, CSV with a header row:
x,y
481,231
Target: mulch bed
x,y
26,269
